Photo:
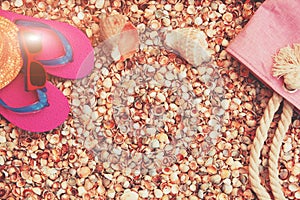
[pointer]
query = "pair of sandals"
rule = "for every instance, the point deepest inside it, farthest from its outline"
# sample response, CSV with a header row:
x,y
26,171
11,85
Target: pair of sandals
x,y
30,101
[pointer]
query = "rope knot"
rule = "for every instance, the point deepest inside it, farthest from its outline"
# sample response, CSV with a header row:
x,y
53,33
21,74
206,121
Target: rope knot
x,y
287,65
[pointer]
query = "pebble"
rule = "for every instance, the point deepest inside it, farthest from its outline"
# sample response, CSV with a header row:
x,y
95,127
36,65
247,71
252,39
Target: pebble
x,y
222,8
198,21
227,189
87,109
191,10
184,168
144,193
293,187
5,5
99,4
297,194
81,191
108,176
76,102
80,15
2,161
158,193
161,97
83,172
225,173
193,197
107,83
18,3
155,144
200,194
2,139
178,7
287,147
104,71
216,179
111,193
129,195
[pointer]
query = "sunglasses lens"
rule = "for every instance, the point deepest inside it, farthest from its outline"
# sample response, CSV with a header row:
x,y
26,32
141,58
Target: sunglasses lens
x,y
33,42
37,74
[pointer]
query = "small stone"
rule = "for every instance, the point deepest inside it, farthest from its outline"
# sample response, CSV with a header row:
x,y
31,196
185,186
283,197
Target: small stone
x,y
5,5
251,123
83,172
2,139
227,188
99,4
37,190
216,179
222,8
293,187
182,75
297,194
227,17
174,178
107,83
191,10
108,176
155,144
158,193
236,165
89,32
80,15
18,3
134,8
143,193
198,21
81,191
162,137
104,71
111,193
2,161
200,194
166,21
225,173
151,131
184,168
76,102
287,147
178,7
76,20
128,194
161,97
87,109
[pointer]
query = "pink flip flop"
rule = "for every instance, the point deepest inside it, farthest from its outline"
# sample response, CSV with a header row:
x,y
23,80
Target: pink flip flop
x,y
35,111
66,51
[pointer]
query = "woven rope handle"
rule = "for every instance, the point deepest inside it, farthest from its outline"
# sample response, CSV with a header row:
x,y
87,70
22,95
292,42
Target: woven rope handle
x,y
258,142
286,65
283,126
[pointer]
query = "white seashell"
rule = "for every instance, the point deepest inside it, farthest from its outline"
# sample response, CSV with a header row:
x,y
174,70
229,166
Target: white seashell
x,y
190,43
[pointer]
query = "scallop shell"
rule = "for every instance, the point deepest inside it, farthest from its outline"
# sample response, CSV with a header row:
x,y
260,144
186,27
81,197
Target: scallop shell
x,y
119,36
190,43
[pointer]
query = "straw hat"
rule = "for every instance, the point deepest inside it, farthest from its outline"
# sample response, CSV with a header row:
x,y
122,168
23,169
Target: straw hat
x,y
10,54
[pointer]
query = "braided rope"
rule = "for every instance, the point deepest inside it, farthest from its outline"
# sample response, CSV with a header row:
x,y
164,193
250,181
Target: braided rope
x,y
261,136
283,126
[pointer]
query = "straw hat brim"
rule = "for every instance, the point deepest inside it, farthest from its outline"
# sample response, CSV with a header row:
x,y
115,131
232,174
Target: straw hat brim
x,y
10,53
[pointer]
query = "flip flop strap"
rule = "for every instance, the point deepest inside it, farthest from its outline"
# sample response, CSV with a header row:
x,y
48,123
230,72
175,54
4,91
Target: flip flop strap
x,y
68,57
42,103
